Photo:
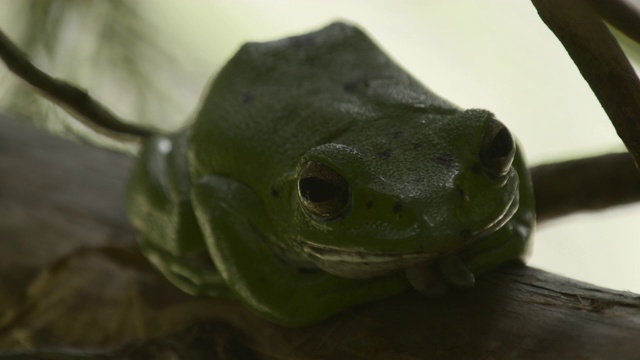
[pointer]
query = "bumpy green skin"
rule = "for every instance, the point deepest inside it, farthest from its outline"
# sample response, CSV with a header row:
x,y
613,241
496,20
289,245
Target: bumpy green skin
x,y
218,212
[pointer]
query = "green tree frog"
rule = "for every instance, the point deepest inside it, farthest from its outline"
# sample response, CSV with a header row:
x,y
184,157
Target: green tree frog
x,y
318,175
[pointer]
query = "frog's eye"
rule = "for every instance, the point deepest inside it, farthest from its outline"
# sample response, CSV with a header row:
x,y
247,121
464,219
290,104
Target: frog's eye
x,y
498,149
322,191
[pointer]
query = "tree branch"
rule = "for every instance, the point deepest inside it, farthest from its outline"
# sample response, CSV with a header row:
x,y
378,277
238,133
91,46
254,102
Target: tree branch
x,y
623,15
585,184
601,62
75,101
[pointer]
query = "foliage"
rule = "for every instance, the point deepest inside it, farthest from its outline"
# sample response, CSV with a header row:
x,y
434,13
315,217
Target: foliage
x,y
112,48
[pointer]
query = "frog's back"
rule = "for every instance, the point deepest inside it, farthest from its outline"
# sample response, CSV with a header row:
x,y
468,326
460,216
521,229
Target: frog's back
x,y
274,101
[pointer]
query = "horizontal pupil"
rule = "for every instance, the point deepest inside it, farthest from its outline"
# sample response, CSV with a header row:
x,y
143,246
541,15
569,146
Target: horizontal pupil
x,y
316,189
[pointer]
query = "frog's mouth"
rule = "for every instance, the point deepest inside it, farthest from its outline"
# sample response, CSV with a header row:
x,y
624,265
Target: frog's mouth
x,y
366,264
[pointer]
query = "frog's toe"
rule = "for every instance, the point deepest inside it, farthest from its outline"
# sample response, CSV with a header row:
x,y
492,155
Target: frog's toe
x,y
432,280
456,272
426,281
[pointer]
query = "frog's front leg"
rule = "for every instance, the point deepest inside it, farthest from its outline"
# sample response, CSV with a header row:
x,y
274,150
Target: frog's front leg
x,y
508,244
159,207
236,228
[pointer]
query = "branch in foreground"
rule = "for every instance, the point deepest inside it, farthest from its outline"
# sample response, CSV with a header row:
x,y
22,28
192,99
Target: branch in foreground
x,y
563,319
75,101
585,184
601,62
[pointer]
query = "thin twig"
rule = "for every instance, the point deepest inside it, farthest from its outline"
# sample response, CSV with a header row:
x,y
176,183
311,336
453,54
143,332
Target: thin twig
x,y
75,101
601,62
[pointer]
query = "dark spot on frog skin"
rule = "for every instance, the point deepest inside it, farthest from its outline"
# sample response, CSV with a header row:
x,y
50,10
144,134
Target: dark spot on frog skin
x,y
418,180
476,168
397,208
416,146
383,155
248,97
369,204
460,191
275,192
445,160
357,82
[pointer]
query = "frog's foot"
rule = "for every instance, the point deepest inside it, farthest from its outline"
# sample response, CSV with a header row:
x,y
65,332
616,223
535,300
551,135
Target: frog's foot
x,y
456,272
509,245
426,280
431,280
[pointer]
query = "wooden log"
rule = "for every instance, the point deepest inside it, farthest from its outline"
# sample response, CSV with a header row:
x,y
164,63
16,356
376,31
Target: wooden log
x,y
72,278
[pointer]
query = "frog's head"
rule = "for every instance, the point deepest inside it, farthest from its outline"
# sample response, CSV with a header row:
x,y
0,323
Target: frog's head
x,y
392,193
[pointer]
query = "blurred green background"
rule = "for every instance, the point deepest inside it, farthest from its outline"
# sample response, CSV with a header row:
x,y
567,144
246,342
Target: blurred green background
x,y
150,60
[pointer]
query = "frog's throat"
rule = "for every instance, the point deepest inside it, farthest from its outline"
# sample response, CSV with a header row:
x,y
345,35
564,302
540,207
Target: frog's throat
x,y
323,254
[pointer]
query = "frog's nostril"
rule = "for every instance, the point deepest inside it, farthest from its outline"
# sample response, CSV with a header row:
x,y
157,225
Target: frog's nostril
x,y
498,149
